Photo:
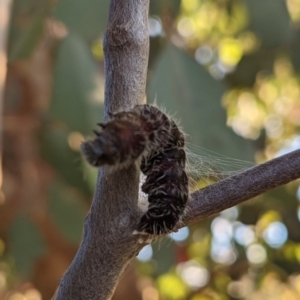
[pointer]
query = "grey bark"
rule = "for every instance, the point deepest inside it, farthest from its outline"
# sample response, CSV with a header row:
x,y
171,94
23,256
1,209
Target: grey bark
x,y
108,243
243,186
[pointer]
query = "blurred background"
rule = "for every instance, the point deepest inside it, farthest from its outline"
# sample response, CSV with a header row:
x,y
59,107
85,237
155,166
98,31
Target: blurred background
x,y
226,69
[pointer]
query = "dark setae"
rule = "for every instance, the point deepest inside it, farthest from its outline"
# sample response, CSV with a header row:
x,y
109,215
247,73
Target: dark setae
x,y
147,136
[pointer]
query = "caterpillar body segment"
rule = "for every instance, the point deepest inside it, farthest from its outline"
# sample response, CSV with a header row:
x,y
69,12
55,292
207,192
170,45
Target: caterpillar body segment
x,y
149,136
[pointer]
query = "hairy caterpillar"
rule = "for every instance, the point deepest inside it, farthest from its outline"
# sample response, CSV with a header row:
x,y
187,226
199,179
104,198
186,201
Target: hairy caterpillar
x,y
148,136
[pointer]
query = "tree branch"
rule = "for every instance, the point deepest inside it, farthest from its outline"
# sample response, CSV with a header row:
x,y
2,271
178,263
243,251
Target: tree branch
x,y
108,243
243,186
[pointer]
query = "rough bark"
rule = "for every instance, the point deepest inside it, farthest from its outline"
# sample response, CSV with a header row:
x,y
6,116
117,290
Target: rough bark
x,y
243,186
108,243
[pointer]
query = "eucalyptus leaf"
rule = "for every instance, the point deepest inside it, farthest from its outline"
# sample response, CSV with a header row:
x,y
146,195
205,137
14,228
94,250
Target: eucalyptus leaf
x,y
56,151
26,244
158,7
77,93
188,91
165,256
67,211
270,20
85,18
76,107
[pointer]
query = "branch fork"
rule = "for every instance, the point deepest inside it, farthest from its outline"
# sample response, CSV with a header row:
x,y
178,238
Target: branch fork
x,y
108,242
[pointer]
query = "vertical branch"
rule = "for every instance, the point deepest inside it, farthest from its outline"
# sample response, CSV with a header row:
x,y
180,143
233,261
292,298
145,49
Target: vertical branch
x,y
108,243
126,49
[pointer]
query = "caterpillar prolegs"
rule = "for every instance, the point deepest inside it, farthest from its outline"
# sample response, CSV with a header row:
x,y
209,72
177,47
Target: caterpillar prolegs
x,y
150,137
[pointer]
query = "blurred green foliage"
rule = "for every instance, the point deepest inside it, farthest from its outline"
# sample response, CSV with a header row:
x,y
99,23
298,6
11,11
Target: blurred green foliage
x,y
228,70
26,244
85,19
